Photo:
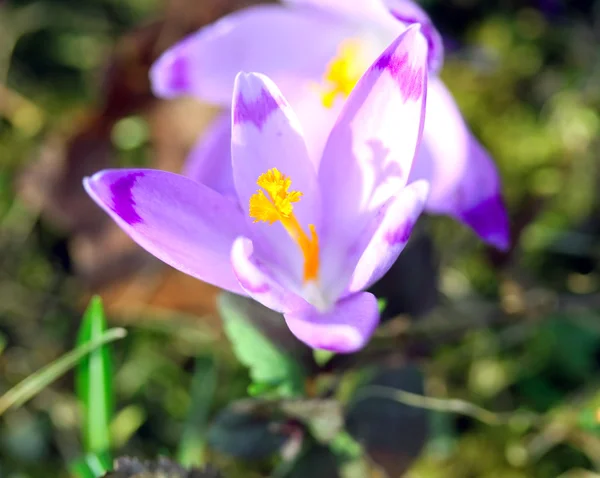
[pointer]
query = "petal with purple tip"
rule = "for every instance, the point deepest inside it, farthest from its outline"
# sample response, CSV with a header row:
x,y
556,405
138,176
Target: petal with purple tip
x,y
391,235
463,177
283,43
373,143
409,12
266,134
185,224
345,329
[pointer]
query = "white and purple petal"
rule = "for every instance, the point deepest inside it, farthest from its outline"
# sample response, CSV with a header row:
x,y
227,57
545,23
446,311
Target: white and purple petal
x,y
283,43
382,16
183,223
266,134
258,282
391,235
370,151
409,12
464,181
344,329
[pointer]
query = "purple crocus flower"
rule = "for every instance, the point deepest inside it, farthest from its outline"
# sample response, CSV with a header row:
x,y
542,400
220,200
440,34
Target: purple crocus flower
x,y
303,237
316,50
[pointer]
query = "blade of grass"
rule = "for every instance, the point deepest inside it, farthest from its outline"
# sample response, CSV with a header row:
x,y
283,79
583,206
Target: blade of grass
x,y
94,381
204,382
91,466
30,386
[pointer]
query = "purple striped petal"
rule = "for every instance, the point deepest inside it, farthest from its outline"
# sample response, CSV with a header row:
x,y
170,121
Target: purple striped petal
x,y
409,12
209,161
370,151
258,281
391,235
463,178
183,223
345,329
266,134
283,43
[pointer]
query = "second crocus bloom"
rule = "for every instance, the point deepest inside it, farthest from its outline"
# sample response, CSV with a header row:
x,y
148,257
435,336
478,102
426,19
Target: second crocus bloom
x,y
303,237
316,50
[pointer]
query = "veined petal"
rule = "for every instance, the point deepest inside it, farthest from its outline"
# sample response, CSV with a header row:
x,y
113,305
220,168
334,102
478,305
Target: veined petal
x,y
266,134
370,151
283,43
257,281
183,223
344,329
391,235
409,12
463,177
209,161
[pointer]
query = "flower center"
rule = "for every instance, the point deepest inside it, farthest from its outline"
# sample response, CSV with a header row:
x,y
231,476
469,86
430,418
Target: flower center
x,y
343,72
277,205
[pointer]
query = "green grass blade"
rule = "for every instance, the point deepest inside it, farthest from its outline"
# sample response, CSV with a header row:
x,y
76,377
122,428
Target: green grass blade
x,y
29,387
204,382
91,466
93,381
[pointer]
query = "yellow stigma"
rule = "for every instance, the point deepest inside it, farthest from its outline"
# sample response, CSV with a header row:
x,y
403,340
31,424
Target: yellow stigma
x,y
343,72
277,205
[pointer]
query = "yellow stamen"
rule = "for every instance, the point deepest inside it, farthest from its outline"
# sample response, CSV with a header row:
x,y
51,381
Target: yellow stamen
x,y
343,72
277,205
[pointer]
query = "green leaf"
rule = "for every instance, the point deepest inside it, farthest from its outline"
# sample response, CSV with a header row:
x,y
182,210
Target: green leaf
x,y
271,369
91,466
94,381
204,382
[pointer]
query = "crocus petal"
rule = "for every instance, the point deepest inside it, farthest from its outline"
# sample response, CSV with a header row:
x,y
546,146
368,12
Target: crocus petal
x,y
257,281
283,43
370,151
185,224
316,120
391,235
463,177
266,134
363,10
378,13
344,329
409,12
209,161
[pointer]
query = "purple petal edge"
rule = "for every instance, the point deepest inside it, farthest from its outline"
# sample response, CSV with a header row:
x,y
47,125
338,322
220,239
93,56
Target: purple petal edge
x,y
410,81
345,329
179,80
255,111
490,221
400,235
121,189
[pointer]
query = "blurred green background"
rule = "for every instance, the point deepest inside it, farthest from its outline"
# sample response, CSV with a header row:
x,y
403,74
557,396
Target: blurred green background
x,y
506,332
